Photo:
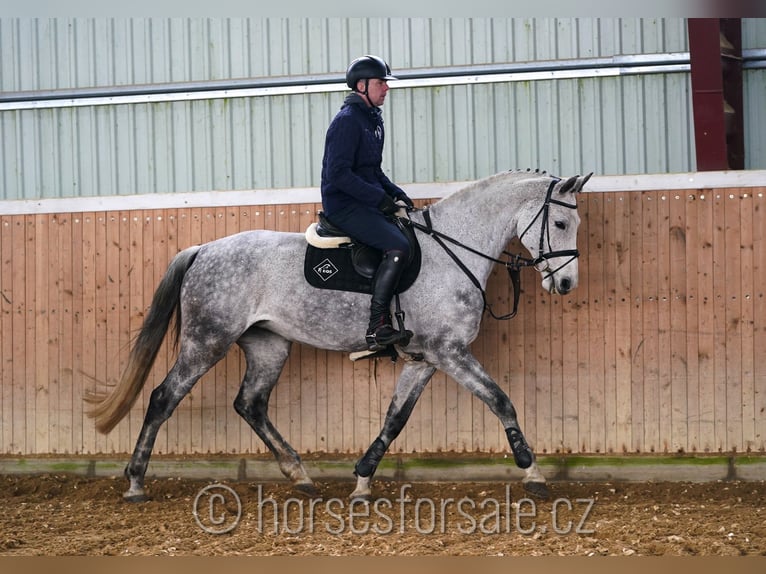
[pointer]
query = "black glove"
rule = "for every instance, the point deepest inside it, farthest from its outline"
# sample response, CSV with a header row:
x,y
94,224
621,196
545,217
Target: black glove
x,y
387,205
401,196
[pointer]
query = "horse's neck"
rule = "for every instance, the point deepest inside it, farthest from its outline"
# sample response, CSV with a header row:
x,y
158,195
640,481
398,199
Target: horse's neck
x,y
482,216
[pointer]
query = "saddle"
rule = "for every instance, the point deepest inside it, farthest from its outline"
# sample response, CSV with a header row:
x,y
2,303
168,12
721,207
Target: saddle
x,y
335,261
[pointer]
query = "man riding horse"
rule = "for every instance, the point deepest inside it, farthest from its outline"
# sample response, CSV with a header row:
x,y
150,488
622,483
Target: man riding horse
x,y
358,197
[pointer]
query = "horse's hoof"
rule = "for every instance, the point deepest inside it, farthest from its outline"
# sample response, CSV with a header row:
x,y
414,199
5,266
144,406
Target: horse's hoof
x,y
360,498
538,489
307,489
137,496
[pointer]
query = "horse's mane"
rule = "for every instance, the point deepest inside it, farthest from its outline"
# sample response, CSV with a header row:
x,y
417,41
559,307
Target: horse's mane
x,y
512,175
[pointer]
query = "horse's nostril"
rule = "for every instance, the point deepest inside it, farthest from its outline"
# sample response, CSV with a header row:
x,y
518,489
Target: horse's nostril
x,y
565,285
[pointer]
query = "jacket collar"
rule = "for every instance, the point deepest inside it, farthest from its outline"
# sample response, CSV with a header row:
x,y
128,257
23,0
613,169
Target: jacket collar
x,y
354,99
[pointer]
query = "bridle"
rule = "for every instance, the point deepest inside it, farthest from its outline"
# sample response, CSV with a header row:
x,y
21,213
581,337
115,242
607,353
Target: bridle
x,y
515,262
545,231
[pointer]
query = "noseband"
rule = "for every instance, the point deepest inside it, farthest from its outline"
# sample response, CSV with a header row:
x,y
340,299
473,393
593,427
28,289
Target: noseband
x,y
515,261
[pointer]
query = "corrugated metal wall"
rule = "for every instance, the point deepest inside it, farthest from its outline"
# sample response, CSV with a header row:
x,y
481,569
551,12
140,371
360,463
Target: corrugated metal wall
x,y
610,125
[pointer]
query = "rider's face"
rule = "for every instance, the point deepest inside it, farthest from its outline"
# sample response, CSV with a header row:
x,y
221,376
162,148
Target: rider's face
x,y
377,89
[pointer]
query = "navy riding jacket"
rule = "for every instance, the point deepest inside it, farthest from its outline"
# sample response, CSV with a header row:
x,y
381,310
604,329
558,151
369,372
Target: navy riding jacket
x,y
353,153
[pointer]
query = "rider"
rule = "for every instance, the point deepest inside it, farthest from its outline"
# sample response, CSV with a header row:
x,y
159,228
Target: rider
x,y
357,196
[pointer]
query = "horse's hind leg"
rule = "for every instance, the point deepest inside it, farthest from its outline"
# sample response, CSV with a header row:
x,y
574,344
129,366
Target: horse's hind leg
x,y
188,369
266,354
409,387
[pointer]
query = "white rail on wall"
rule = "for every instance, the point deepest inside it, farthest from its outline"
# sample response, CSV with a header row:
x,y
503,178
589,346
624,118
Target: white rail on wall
x,y
638,182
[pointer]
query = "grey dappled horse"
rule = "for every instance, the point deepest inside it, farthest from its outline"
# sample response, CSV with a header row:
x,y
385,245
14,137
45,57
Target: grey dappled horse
x,y
249,289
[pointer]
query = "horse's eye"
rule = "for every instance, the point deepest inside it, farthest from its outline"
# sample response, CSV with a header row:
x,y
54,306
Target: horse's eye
x,y
561,224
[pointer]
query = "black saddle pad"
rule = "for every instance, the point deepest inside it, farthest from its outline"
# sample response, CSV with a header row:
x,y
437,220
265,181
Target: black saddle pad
x,y
335,269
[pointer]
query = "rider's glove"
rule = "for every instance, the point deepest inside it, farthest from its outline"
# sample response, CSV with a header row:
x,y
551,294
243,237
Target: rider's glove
x,y
387,205
401,196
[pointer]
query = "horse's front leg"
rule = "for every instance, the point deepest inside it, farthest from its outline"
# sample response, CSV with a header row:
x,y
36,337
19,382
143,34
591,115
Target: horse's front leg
x,y
462,366
409,387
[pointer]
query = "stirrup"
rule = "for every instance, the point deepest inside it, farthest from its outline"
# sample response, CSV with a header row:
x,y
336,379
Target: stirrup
x,y
381,338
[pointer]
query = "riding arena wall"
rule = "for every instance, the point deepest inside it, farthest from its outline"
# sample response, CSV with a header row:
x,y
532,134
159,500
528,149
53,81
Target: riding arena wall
x,y
114,131
657,350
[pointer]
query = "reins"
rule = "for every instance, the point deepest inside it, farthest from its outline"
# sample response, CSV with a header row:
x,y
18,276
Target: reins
x,y
515,262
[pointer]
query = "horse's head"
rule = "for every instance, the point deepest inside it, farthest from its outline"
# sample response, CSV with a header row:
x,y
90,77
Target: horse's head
x,y
549,227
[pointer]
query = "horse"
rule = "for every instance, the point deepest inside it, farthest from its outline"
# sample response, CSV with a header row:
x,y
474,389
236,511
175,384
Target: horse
x,y
249,289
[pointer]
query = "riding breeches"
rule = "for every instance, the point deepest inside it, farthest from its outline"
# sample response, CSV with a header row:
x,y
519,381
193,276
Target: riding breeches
x,y
369,226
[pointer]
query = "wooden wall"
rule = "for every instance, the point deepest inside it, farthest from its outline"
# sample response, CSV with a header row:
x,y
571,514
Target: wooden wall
x,y
660,349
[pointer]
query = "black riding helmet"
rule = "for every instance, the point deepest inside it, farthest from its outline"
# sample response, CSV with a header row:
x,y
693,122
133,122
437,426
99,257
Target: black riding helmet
x,y
365,68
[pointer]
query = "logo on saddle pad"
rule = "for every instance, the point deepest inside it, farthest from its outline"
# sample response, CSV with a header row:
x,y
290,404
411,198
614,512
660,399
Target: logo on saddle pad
x,y
325,269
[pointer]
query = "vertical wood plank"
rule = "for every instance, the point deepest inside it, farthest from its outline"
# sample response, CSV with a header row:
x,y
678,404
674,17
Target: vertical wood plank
x,y
650,353
79,383
65,347
720,292
609,304
570,316
557,380
595,336
9,298
89,340
102,444
759,316
451,404
747,320
664,346
679,330
706,323
691,272
540,428
36,309
41,369
51,257
348,411
23,323
362,432
637,351
621,258
334,404
733,319
586,413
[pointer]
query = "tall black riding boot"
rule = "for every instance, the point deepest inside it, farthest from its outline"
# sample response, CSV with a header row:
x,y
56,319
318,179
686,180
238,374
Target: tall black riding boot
x,y
381,332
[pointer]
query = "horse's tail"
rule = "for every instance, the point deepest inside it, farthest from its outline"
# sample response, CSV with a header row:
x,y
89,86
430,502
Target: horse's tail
x,y
109,409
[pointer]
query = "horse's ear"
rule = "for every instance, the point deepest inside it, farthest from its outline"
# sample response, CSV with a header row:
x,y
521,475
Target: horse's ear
x,y
569,185
583,180
574,183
